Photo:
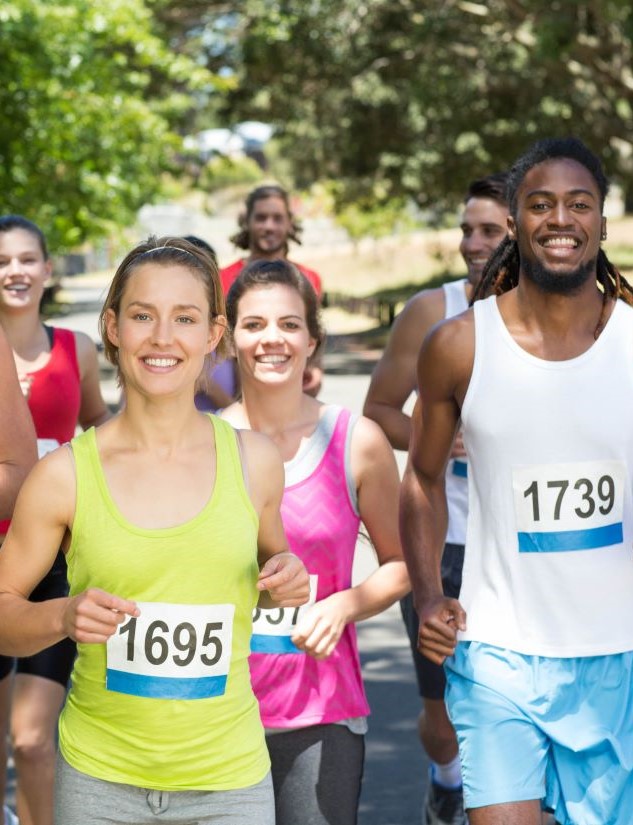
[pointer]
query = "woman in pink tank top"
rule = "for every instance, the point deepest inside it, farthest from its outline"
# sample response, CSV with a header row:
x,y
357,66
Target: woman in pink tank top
x,y
340,470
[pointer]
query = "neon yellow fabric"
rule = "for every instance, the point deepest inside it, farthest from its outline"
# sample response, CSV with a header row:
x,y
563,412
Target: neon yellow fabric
x,y
166,744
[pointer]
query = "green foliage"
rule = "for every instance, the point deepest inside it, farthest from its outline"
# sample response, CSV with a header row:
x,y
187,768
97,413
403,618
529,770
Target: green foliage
x,y
417,99
88,97
222,171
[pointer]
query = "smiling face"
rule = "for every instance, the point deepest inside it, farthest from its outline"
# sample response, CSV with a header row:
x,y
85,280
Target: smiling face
x,y
271,337
558,225
484,225
268,228
162,330
23,271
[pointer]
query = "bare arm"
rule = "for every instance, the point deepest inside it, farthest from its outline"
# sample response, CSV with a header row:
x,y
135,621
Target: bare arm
x,y
443,372
18,450
42,517
394,378
93,410
283,579
377,482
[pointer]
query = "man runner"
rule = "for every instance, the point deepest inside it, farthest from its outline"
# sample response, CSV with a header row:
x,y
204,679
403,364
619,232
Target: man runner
x,y
539,647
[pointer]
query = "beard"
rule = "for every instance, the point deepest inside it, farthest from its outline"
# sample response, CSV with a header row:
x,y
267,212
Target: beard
x,y
555,282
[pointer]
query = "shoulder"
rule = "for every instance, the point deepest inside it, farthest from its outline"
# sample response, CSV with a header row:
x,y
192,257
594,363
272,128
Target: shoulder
x,y
368,439
311,275
85,346
446,357
420,313
259,451
233,268
52,477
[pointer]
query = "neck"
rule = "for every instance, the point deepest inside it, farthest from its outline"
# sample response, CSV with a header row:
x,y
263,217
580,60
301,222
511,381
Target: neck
x,y
162,425
23,329
274,410
258,255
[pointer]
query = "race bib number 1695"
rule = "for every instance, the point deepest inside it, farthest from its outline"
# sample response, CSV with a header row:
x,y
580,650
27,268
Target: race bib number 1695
x,y
172,651
563,507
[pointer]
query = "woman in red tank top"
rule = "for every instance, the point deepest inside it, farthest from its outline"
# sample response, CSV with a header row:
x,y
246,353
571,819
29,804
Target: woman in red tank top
x,y
59,376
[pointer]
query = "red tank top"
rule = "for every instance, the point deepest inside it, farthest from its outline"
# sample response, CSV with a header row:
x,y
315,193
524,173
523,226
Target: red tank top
x,y
229,273
55,396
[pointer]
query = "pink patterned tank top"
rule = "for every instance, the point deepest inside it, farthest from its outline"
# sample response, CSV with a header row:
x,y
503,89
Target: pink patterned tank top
x,y
321,523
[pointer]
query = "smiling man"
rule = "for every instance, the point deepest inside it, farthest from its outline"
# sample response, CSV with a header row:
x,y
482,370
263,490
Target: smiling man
x,y
539,646
483,225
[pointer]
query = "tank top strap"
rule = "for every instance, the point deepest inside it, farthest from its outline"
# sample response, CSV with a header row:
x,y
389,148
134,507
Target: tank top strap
x,y
64,341
87,474
339,440
229,469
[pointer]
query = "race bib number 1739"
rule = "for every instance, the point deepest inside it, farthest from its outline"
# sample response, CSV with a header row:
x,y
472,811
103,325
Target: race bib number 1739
x,y
563,507
172,651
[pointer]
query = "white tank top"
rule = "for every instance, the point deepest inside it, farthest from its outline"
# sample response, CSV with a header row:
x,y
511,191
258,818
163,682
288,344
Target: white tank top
x,y
549,566
455,301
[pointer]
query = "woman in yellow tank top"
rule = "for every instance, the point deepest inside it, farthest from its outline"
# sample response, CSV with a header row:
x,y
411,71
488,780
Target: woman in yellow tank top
x,y
171,527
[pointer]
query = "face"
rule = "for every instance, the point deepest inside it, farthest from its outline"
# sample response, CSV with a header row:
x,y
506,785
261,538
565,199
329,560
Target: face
x,y
484,225
268,228
23,270
162,330
558,225
271,337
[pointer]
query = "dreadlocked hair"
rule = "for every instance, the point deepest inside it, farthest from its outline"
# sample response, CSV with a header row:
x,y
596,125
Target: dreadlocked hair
x,y
501,273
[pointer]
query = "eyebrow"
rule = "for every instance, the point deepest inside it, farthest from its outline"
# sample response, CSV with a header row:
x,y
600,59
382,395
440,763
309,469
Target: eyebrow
x,y
571,192
178,307
261,317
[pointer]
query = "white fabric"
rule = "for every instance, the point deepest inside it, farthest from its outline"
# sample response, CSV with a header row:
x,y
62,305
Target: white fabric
x,y
551,451
456,302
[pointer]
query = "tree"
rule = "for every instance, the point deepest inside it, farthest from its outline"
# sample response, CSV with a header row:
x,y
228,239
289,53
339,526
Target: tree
x,y
88,98
401,97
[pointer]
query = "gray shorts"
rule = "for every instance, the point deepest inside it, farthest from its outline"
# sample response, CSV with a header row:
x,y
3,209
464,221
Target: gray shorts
x,y
84,800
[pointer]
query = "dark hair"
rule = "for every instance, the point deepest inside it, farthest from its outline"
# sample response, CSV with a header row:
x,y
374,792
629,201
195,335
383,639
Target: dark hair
x,y
492,187
10,222
203,245
167,251
501,273
241,239
263,273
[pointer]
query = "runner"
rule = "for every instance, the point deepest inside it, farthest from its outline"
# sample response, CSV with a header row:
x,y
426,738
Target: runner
x,y
483,225
163,542
540,664
59,375
266,227
339,470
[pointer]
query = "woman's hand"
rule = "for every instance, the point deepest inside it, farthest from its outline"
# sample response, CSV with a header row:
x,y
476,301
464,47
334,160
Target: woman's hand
x,y
320,629
283,581
94,615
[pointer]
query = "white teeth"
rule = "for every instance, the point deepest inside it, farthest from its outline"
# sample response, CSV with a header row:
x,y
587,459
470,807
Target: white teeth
x,y
161,362
560,242
272,359
17,287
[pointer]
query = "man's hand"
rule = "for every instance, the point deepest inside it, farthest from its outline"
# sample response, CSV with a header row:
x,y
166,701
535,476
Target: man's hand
x,y
286,581
94,615
440,619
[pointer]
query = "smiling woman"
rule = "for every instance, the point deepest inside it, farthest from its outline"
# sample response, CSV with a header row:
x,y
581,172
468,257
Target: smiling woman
x,y
169,549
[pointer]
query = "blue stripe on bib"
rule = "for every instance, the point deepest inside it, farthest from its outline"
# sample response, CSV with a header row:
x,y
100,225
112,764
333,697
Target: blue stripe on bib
x,y
165,687
460,468
261,643
567,540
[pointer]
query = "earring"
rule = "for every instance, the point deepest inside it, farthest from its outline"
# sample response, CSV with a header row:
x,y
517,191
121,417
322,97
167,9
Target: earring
x,y
603,236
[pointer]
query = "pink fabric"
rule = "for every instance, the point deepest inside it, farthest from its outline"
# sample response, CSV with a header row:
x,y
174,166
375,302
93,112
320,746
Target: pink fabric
x,y
295,690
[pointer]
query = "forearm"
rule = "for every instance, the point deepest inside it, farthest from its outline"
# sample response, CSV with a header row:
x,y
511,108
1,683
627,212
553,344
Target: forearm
x,y
29,627
378,592
423,525
395,424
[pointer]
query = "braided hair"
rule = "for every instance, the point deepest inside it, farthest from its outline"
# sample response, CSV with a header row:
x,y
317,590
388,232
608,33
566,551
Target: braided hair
x,y
501,273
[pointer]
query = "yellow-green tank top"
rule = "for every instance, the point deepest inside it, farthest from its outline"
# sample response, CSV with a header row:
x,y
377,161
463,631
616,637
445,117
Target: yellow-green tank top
x,y
110,728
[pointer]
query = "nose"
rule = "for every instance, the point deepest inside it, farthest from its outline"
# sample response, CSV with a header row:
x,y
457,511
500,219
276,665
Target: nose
x,y
271,334
162,331
15,266
560,216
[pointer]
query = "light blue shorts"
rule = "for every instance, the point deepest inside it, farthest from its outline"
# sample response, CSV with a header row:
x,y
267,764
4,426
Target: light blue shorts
x,y
534,727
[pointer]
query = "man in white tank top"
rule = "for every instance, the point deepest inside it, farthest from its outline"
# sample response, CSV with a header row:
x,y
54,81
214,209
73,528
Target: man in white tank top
x,y
483,224
539,649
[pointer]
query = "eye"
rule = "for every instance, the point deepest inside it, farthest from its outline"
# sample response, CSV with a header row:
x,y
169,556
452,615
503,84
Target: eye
x,y
251,325
580,205
292,325
141,316
185,319
540,207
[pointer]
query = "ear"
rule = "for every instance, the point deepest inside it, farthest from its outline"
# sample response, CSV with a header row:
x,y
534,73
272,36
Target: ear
x,y
603,233
311,347
112,327
512,228
217,327
49,268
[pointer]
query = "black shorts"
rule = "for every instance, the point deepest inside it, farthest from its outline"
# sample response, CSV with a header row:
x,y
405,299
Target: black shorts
x,y
431,679
54,662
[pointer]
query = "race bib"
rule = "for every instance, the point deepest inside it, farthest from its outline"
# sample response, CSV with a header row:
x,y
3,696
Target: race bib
x,y
46,445
563,507
172,651
273,628
460,467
